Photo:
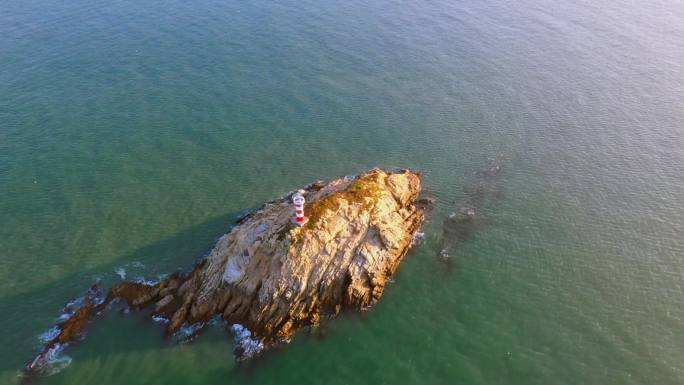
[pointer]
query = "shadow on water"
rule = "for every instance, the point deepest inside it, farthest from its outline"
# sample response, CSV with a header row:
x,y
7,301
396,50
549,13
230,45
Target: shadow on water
x,y
468,215
193,243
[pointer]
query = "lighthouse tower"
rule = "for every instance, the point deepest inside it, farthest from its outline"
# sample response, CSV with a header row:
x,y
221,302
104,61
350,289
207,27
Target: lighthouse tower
x,y
298,201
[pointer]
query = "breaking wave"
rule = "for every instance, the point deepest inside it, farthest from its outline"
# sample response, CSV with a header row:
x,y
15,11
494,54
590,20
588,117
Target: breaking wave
x,y
247,347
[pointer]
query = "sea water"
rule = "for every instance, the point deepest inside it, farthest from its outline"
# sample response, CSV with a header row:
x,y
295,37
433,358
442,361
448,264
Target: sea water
x,y
133,133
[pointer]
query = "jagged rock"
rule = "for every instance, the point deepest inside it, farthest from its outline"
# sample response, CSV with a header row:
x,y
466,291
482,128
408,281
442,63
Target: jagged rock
x,y
135,294
272,277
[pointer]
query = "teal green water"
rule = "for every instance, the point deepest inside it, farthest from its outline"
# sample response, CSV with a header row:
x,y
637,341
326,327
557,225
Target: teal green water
x,y
133,132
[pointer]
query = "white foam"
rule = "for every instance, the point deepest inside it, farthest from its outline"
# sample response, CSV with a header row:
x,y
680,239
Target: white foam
x,y
158,318
99,300
243,338
55,361
187,332
52,362
49,335
144,281
418,238
121,272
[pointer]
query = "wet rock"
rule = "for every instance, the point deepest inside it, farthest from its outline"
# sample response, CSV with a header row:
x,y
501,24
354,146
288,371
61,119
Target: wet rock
x,y
72,329
166,306
135,294
425,203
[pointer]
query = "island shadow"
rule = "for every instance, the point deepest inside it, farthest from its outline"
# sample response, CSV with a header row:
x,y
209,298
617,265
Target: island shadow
x,y
192,243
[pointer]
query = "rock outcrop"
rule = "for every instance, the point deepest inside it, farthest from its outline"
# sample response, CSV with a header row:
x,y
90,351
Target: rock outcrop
x,y
271,277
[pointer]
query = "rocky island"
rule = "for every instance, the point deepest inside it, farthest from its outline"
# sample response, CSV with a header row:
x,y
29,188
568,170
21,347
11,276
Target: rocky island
x,y
268,278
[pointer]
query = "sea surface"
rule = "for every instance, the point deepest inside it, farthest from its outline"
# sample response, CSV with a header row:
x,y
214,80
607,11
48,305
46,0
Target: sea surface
x,y
132,133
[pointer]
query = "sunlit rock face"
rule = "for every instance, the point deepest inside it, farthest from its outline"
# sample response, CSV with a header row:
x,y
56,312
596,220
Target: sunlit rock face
x,y
271,277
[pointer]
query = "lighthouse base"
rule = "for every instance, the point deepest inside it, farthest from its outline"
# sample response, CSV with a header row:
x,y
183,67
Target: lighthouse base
x,y
295,222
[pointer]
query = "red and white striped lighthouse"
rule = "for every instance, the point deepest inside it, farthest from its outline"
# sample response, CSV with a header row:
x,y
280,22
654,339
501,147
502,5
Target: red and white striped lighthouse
x,y
298,200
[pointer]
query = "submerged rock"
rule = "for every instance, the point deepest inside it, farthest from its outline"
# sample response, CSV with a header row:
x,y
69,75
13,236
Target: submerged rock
x,y
271,278
467,213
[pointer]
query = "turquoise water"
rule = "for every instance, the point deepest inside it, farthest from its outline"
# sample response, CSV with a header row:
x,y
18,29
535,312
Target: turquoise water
x,y
133,132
